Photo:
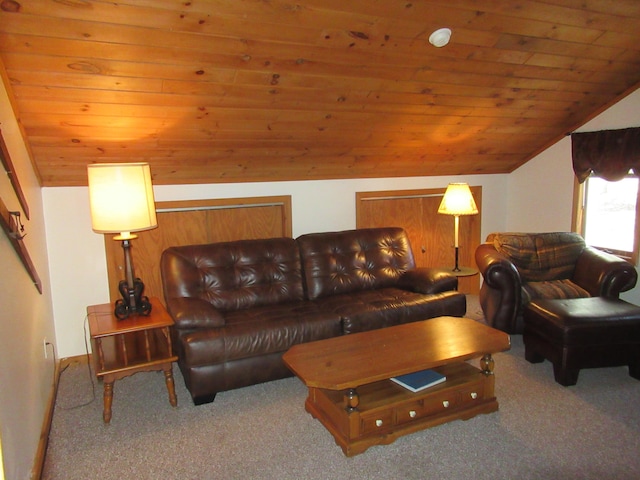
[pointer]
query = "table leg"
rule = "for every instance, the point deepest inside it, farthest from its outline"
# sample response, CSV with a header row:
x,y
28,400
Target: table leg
x,y
352,400
108,399
171,388
486,364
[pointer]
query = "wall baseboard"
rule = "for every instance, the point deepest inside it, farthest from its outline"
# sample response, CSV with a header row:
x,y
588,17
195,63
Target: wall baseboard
x,y
41,453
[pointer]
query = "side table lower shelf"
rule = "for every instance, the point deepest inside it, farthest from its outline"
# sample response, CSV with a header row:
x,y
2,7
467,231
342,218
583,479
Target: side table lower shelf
x,y
387,411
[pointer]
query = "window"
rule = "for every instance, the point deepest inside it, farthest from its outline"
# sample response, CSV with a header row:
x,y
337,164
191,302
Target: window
x,y
608,215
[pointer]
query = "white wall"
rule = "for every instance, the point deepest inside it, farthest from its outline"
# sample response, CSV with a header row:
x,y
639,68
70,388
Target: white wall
x,y
540,193
78,262
26,317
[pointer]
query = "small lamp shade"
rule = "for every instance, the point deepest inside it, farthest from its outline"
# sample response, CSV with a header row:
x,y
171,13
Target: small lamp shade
x,y
458,200
121,198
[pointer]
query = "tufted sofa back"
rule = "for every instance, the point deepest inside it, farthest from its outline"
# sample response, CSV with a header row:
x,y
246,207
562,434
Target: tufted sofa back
x,y
234,275
353,260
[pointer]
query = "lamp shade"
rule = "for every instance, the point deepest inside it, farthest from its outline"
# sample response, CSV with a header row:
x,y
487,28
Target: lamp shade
x,y
458,200
121,198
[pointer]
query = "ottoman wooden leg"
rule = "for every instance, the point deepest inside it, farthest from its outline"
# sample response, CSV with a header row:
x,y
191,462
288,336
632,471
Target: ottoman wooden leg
x,y
565,376
634,370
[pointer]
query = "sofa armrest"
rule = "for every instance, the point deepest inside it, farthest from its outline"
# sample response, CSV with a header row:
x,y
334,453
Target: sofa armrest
x,y
501,291
193,313
603,274
428,281
496,269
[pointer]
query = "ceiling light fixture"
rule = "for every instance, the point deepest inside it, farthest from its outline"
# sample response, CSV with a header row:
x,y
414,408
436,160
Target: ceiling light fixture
x,y
440,37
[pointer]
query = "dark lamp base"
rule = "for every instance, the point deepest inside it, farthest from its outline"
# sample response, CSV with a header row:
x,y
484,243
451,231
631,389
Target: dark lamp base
x,y
132,302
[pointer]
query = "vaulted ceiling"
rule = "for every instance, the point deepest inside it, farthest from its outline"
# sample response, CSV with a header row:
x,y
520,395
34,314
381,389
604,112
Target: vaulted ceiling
x,y
266,90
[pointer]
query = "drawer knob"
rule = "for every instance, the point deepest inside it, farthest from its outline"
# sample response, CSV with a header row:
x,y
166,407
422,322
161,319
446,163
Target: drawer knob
x,y
412,413
445,404
378,423
474,395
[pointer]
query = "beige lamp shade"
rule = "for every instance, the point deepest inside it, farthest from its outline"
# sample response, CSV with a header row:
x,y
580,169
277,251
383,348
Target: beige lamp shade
x,y
121,198
458,200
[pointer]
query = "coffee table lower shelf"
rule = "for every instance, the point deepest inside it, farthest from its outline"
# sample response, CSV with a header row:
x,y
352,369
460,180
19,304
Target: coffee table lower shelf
x,y
387,411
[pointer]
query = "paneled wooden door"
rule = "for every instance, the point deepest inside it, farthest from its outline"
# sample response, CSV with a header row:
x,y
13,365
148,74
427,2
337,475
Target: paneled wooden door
x,y
430,233
196,222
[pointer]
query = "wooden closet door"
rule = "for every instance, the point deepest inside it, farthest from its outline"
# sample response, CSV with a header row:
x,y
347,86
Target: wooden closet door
x,y
194,223
395,212
430,233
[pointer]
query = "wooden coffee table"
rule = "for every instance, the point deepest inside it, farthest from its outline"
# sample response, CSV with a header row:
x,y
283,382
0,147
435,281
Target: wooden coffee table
x,y
351,395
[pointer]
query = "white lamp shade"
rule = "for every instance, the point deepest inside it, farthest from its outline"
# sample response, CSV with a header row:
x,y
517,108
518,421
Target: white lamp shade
x,y
121,198
458,200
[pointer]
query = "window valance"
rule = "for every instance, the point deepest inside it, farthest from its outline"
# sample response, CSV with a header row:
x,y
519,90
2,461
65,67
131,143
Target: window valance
x,y
609,154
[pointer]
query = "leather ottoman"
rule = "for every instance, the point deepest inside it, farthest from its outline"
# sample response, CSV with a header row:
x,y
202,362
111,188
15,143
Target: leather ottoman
x,y
582,333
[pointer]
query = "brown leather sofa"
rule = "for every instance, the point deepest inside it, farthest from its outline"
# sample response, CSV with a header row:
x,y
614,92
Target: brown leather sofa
x,y
238,306
520,267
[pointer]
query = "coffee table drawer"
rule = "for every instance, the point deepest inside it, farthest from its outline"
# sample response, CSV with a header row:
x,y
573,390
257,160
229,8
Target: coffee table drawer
x,y
410,412
433,405
436,403
376,422
472,393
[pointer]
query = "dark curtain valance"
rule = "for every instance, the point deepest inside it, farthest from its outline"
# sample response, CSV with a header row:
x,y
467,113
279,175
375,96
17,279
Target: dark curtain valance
x,y
609,154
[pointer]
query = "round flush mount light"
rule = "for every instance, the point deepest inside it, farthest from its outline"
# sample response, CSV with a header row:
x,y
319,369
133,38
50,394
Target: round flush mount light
x,y
440,37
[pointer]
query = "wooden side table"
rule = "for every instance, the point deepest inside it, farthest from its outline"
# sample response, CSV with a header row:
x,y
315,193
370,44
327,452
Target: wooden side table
x,y
136,344
462,272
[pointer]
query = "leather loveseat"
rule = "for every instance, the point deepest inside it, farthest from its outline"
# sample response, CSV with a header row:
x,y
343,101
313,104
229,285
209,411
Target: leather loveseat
x,y
520,267
238,306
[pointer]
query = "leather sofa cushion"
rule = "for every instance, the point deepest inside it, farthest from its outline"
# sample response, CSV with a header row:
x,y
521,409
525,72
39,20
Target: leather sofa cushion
x,y
234,275
385,307
541,256
584,321
557,289
354,260
260,331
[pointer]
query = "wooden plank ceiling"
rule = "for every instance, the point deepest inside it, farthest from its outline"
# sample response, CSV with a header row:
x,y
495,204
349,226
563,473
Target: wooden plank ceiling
x,y
266,90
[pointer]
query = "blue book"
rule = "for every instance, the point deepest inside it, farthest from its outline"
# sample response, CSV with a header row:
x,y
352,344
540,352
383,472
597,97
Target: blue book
x,y
418,381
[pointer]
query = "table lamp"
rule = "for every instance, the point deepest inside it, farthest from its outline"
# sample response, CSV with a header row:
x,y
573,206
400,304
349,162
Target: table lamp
x,y
457,201
121,201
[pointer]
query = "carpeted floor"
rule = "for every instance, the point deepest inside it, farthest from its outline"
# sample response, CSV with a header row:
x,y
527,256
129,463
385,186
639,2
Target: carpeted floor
x,y
542,431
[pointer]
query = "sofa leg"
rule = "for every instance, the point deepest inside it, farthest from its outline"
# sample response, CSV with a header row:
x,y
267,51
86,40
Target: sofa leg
x,y
565,376
634,370
202,399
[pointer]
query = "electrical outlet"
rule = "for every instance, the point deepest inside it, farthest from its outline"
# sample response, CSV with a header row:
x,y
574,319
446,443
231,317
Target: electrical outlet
x,y
44,345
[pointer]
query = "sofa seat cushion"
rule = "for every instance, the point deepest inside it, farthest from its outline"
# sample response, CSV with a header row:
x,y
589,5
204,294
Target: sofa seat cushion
x,y
259,331
385,307
540,256
557,289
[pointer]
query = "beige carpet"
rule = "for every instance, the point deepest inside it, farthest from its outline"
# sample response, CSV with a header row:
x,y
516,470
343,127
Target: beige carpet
x,y
542,431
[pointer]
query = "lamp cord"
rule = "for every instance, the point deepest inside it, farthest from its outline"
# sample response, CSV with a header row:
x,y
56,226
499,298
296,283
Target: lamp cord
x,y
91,379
